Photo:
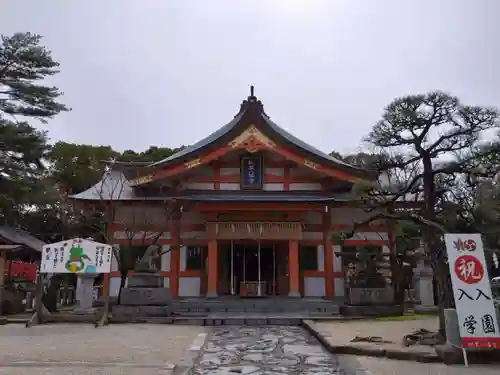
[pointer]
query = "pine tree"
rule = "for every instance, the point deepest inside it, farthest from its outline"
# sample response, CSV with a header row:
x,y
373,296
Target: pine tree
x,y
24,64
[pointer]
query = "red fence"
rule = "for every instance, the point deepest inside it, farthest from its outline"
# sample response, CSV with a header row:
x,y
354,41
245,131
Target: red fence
x,y
16,268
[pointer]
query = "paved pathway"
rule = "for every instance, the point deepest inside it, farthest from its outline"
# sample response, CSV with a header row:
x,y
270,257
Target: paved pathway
x,y
264,351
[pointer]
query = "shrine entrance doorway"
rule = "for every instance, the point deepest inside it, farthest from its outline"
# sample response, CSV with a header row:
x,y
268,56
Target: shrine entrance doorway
x,y
253,268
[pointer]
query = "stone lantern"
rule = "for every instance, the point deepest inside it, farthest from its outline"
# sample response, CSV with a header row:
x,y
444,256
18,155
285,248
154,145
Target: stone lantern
x,y
423,282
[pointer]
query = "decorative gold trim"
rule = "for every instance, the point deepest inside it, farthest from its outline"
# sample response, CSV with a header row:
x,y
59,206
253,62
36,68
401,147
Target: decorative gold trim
x,y
254,230
142,180
192,163
252,139
310,164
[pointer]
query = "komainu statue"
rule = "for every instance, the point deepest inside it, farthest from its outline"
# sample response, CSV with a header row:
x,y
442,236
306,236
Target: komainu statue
x,y
145,264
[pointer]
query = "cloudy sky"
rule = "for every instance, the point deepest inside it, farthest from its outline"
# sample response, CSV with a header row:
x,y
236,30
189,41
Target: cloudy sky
x,y
166,73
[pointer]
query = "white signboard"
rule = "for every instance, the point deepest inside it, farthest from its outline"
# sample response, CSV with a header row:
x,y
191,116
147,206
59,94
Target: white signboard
x,y
476,312
76,256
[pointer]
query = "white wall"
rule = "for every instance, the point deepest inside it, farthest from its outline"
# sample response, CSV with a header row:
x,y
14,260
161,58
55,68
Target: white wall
x,y
314,286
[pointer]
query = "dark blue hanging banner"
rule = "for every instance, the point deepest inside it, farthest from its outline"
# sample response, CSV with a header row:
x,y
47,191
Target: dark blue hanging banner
x,y
251,172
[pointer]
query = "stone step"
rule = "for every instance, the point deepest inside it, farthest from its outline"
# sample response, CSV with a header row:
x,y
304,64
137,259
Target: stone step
x,y
263,306
238,320
146,311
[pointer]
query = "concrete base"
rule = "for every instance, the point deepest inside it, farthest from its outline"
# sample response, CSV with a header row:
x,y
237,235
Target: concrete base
x,y
145,296
449,354
294,294
85,290
421,309
142,311
145,280
211,295
393,310
84,311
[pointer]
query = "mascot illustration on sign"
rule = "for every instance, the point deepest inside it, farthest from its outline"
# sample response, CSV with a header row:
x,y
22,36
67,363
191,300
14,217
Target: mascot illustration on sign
x,y
77,260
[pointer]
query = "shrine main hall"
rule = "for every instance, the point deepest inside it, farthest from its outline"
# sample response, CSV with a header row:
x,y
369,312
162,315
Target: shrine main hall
x,y
258,207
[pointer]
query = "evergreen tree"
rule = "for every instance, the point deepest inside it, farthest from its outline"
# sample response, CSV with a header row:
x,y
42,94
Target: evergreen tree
x,y
24,64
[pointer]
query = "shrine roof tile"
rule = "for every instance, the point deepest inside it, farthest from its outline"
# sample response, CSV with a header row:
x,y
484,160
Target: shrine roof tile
x,y
254,106
21,237
115,186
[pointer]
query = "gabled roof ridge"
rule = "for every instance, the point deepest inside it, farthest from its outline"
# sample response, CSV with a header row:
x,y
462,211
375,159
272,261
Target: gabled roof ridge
x,y
203,142
254,106
306,146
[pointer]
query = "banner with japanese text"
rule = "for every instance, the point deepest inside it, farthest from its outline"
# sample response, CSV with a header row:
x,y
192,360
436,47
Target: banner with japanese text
x,y
76,256
477,317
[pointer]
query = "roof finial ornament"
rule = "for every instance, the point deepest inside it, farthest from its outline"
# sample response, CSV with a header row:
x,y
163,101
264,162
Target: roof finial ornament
x,y
252,91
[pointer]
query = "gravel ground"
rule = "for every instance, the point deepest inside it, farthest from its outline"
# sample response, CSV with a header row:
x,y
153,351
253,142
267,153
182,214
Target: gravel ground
x,y
344,331
83,349
394,331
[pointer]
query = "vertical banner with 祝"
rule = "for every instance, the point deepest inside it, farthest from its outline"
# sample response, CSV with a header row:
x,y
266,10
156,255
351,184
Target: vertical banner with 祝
x,y
477,318
251,172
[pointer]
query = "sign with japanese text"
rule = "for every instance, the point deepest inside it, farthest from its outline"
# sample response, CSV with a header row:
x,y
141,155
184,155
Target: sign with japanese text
x,y
477,317
76,256
251,172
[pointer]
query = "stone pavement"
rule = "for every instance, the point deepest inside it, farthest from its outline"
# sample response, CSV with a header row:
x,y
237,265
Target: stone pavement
x,y
384,366
77,349
270,350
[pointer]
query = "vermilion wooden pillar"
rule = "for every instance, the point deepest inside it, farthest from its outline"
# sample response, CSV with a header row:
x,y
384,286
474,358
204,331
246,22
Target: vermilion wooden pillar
x,y
328,256
293,268
175,258
212,268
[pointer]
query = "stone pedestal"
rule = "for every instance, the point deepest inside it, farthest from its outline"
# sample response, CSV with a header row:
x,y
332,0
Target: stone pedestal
x,y
371,296
145,280
424,288
85,293
145,289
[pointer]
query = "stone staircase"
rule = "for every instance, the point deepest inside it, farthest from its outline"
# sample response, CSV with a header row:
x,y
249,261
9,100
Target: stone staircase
x,y
228,311
271,305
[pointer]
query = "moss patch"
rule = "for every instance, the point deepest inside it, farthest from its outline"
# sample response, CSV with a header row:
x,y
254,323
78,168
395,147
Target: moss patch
x,y
405,317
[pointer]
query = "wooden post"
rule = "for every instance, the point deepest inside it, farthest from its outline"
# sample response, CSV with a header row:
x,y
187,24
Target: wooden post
x,y
212,268
38,299
328,256
293,268
175,258
41,313
105,285
3,256
103,320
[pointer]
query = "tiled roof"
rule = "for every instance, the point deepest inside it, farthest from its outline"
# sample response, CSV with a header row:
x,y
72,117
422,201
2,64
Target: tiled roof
x,y
203,143
112,186
9,247
21,237
252,104
115,186
303,145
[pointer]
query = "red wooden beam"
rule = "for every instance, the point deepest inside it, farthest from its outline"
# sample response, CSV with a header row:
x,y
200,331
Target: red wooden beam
x,y
216,154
